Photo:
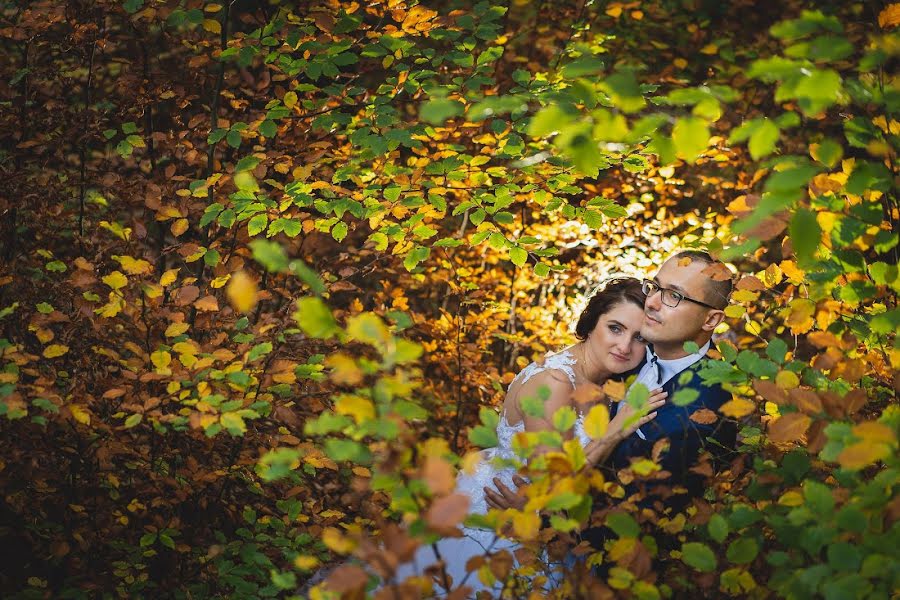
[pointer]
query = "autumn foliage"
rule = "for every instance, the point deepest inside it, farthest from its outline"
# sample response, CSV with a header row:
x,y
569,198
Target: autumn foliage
x,y
266,269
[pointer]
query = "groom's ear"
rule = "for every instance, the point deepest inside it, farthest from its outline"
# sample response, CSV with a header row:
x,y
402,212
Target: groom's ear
x,y
713,318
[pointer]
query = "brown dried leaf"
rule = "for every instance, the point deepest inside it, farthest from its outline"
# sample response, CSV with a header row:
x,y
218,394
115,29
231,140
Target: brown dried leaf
x,y
347,578
447,512
788,428
439,476
186,295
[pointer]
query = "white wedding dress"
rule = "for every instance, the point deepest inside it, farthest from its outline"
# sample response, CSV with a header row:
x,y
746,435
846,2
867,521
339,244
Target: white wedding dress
x,y
476,542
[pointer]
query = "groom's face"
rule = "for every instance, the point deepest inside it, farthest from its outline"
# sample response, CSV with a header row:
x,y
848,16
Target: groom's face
x,y
675,325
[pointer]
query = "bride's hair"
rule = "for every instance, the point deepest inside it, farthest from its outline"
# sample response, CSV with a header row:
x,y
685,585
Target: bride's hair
x,y
614,292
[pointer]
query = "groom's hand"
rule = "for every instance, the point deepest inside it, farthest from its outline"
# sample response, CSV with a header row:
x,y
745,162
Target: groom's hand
x,y
503,497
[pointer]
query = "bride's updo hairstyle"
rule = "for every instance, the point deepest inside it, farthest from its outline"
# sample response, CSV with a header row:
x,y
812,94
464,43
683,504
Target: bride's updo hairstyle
x,y
614,292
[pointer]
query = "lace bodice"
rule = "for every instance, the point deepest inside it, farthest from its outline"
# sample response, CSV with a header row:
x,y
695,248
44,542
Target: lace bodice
x,y
473,484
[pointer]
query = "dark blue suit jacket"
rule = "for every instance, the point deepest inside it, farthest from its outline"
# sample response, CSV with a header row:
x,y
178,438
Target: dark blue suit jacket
x,y
687,439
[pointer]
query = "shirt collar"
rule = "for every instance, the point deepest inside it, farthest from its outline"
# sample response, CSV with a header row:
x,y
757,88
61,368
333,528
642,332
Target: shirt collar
x,y
672,367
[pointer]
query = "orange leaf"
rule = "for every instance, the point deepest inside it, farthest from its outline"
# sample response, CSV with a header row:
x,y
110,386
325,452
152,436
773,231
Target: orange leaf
x,y
439,476
704,416
207,303
447,512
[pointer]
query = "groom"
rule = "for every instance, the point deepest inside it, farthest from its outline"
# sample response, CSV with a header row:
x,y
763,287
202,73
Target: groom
x,y
685,302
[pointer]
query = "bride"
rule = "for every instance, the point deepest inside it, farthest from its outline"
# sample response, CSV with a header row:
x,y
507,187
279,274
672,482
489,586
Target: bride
x,y
610,344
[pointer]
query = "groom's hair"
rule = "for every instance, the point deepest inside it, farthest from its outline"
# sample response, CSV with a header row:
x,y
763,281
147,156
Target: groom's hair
x,y
614,292
719,282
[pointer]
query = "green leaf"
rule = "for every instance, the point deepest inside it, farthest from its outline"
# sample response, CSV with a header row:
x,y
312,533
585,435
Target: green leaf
x,y
742,550
581,66
623,524
133,420
777,350
699,556
818,497
483,437
307,275
259,350
233,137
533,406
268,128
339,231
541,269
257,224
518,256
548,120
805,234
685,396
818,90
718,528
270,255
44,308
248,163
763,139
829,152
315,318
691,137
564,418
438,110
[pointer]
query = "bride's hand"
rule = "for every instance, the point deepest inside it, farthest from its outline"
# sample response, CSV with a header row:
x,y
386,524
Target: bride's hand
x,y
626,413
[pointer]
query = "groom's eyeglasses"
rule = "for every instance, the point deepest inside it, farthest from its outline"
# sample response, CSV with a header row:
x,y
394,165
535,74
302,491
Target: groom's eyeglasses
x,y
670,298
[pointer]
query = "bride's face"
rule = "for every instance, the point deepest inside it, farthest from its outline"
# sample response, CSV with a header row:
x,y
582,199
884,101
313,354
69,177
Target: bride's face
x,y
616,339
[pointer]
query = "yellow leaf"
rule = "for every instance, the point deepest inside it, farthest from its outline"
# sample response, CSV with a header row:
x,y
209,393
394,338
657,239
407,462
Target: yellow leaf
x,y
680,63
526,524
178,227
370,329
791,498
336,541
44,335
361,409
787,380
874,432
734,311
168,277
134,266
596,421
862,454
161,360
80,414
306,562
115,280
241,292
152,290
637,15
614,10
709,49
233,421
737,408
176,329
220,281
212,26
290,99
54,350
345,371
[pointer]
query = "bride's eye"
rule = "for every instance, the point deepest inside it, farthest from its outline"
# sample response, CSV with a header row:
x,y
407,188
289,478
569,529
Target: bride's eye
x,y
615,328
